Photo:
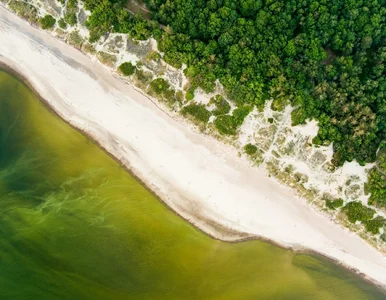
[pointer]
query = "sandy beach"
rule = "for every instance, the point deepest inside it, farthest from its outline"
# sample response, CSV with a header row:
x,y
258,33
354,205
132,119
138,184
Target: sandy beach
x,y
201,179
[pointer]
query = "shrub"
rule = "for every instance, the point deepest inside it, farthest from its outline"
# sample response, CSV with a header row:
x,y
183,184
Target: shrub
x,y
334,204
24,10
383,237
374,225
179,96
47,22
226,124
154,55
198,111
107,59
222,106
189,94
159,85
127,69
88,48
62,24
143,77
356,211
250,149
72,5
376,184
298,116
75,39
71,18
240,114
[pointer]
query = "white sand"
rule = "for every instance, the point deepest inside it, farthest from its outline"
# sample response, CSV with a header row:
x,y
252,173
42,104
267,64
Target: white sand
x,y
201,179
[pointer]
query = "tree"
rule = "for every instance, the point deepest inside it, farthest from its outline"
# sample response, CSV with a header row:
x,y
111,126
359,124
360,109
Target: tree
x,y
47,22
250,149
127,69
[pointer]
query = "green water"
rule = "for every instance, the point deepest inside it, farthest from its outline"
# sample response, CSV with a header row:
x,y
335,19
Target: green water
x,y
75,225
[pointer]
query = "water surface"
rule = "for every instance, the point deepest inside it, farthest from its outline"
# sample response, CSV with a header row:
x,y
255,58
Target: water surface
x,y
75,225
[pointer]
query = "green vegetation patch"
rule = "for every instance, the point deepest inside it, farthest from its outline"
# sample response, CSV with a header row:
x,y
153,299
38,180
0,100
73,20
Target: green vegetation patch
x,y
24,10
189,94
75,39
47,22
71,19
376,183
159,85
62,24
88,48
298,116
356,211
164,92
143,77
334,204
374,225
197,111
107,59
154,55
228,124
222,105
250,149
71,12
127,68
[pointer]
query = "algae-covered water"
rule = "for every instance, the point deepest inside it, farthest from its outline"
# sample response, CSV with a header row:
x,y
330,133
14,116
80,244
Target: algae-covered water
x,y
75,225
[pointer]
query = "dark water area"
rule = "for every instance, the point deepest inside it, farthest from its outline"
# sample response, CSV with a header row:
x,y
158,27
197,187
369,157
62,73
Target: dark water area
x,y
75,225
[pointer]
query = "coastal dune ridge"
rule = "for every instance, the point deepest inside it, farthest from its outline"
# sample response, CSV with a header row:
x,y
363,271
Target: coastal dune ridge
x,y
198,177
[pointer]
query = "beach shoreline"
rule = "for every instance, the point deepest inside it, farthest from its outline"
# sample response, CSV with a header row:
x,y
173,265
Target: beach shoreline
x,y
186,206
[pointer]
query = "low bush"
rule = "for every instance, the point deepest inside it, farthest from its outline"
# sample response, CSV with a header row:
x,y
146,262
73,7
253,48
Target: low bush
x,y
197,111
127,69
71,11
240,114
356,211
222,106
75,39
24,10
298,116
107,59
189,94
88,48
227,124
71,19
72,5
62,24
376,183
164,92
154,55
334,204
374,225
159,85
383,237
47,22
143,77
250,149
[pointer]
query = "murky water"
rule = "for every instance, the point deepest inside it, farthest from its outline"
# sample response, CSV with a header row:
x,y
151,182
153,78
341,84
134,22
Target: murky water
x,y
75,225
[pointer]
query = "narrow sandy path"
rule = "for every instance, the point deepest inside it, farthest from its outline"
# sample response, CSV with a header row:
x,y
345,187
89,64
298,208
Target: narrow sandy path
x,y
220,194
